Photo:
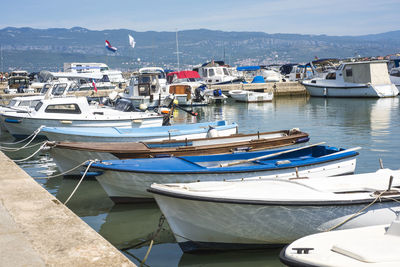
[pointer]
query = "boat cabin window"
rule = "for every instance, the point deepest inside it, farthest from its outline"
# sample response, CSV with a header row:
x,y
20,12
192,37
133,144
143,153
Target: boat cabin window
x,y
63,108
105,79
12,103
331,76
225,71
30,103
395,73
45,88
349,72
219,71
59,89
38,106
144,79
211,72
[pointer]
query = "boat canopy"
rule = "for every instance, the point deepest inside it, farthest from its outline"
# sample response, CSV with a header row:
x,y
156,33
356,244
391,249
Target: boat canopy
x,y
248,68
185,74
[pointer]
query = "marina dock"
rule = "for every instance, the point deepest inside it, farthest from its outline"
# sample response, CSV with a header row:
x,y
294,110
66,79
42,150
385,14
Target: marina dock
x,y
38,230
279,88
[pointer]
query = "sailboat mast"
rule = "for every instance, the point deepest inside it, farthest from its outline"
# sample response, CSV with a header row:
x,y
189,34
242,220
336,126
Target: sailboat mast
x,y
177,48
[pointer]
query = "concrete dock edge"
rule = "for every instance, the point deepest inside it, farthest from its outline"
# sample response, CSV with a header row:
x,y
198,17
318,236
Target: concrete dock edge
x,y
37,230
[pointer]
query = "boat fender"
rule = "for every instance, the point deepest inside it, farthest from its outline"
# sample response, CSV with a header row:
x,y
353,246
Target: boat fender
x,y
142,106
217,92
212,132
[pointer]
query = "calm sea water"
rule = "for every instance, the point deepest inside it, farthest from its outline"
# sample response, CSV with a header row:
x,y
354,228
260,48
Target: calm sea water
x,y
372,124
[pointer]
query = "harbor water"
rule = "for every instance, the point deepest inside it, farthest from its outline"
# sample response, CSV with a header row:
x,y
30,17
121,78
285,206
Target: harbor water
x,y
373,124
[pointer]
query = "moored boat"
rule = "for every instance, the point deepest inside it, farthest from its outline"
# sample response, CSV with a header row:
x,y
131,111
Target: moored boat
x,y
354,79
127,180
365,246
124,134
269,212
74,111
68,155
250,96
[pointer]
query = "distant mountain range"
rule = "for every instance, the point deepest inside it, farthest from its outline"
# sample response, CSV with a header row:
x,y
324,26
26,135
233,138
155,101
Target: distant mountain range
x,y
38,49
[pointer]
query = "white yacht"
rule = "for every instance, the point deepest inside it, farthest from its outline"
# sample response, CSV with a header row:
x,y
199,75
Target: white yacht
x,y
354,79
115,76
217,73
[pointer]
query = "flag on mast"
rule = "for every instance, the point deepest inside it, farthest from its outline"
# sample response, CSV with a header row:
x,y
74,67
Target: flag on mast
x,y
111,48
132,42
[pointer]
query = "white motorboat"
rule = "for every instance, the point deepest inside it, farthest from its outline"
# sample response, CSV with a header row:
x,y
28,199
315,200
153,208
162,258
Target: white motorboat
x,y
188,88
127,180
216,72
73,111
354,79
250,96
269,212
365,246
18,82
147,88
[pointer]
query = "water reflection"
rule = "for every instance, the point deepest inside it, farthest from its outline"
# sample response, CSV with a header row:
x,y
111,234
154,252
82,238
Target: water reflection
x,y
372,124
265,257
130,225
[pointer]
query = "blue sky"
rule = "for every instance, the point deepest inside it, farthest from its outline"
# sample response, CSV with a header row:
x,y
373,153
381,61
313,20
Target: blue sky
x,y
331,17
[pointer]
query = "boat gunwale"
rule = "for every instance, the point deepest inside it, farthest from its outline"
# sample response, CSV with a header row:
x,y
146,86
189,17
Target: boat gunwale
x,y
291,203
101,147
105,167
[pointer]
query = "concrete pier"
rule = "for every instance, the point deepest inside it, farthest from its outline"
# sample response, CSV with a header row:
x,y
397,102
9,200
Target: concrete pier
x,y
37,230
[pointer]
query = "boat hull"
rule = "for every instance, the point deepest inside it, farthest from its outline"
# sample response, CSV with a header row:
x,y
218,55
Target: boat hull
x,y
374,91
132,187
23,127
225,131
252,97
217,225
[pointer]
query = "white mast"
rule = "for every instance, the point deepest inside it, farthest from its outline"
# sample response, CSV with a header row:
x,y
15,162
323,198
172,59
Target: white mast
x,y
177,49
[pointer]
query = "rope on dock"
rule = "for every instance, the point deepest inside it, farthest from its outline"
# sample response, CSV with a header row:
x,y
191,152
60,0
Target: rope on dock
x,y
32,135
80,181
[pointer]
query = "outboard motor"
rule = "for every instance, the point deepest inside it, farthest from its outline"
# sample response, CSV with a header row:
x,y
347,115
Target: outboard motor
x,y
199,94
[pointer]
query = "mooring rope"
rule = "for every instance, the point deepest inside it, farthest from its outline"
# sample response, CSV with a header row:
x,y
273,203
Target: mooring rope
x,y
11,149
357,213
80,181
34,134
31,156
152,237
63,173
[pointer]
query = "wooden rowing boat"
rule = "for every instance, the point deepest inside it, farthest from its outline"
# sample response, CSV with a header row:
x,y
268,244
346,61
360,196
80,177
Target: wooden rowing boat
x,y
70,154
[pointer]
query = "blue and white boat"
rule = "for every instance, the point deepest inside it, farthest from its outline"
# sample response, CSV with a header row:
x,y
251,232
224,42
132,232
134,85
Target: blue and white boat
x,y
122,134
128,180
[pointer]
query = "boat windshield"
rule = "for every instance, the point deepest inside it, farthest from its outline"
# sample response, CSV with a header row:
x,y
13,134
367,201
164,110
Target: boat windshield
x,y
59,89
